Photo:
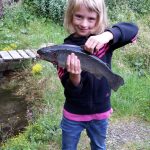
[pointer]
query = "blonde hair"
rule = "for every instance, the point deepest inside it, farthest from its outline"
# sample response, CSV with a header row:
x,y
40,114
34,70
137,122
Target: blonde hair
x,y
97,6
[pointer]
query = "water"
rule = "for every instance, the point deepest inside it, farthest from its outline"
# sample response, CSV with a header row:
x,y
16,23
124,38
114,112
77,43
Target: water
x,y
13,110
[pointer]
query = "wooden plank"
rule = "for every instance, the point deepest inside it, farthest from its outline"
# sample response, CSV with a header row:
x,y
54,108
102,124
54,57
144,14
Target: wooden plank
x,y
5,55
30,53
34,51
23,54
15,55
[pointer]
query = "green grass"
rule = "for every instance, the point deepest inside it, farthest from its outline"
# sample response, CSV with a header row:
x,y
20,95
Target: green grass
x,y
133,98
37,33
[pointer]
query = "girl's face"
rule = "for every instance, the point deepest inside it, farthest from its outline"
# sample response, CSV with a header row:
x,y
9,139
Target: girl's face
x,y
84,21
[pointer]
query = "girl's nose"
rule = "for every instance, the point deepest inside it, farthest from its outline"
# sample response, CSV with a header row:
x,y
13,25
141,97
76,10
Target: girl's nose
x,y
84,23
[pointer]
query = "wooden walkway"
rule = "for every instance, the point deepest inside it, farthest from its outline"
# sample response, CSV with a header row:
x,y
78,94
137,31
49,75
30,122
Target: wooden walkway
x,y
16,55
10,59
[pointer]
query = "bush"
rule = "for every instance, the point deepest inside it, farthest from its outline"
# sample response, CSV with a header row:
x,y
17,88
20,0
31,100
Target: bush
x,y
127,10
118,9
53,9
16,18
121,13
139,55
139,60
141,6
16,14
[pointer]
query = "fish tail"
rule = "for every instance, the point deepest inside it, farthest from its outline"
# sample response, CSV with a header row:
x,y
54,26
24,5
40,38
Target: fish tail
x,y
116,82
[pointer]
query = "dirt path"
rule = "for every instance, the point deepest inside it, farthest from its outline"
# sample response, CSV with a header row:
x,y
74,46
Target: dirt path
x,y
124,135
129,135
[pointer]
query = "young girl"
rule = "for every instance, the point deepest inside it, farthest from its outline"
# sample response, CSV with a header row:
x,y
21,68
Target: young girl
x,y
87,104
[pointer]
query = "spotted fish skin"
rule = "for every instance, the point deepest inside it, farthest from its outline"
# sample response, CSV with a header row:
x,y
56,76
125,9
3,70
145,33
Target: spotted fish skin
x,y
89,63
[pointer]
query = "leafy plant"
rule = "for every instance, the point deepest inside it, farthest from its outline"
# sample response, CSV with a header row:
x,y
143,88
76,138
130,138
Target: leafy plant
x,y
53,9
141,6
16,14
127,10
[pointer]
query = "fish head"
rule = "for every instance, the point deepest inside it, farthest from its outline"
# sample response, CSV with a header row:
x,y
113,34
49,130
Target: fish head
x,y
47,53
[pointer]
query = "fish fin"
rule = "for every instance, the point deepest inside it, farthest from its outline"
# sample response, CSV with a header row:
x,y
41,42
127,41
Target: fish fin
x,y
116,82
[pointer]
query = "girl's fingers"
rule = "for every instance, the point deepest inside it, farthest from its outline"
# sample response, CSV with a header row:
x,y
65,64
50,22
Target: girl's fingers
x,y
95,43
68,63
79,66
99,46
73,64
91,45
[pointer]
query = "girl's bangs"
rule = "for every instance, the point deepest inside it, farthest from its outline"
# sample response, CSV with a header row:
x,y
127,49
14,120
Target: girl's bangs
x,y
90,5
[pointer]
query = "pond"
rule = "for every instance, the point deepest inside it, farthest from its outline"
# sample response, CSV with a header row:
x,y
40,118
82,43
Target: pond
x,y
13,110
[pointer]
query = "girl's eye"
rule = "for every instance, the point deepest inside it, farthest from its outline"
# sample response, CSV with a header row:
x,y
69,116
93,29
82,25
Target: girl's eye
x,y
78,16
92,19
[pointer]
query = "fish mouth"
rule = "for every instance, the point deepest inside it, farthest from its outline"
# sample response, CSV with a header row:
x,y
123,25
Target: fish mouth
x,y
40,52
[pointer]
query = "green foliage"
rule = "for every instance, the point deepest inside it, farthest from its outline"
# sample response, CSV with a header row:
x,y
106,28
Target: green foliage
x,y
127,10
17,143
53,9
139,60
15,15
118,10
121,13
141,6
41,131
6,37
138,55
15,20
38,134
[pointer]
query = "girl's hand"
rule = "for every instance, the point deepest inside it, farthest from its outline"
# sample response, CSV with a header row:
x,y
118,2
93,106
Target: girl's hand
x,y
94,43
74,68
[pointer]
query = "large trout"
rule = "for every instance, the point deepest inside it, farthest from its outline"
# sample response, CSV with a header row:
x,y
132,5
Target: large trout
x,y
90,63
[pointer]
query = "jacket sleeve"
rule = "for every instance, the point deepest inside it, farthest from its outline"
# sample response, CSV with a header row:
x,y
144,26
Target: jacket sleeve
x,y
123,33
69,89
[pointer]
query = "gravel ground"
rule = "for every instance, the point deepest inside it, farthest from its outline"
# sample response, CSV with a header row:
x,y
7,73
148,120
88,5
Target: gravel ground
x,y
129,135
124,135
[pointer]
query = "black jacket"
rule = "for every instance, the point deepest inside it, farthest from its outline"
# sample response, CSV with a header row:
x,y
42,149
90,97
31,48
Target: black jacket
x,y
93,95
